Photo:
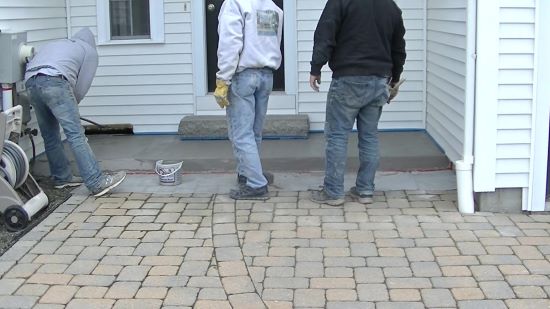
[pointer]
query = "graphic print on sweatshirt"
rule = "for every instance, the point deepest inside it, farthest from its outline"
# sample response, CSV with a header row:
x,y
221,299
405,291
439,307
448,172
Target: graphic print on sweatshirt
x,y
268,22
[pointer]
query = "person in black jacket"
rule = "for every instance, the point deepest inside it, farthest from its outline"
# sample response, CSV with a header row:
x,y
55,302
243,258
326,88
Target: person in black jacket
x,y
363,42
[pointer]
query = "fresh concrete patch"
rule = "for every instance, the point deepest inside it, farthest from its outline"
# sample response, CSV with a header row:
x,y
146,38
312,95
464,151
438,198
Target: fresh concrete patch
x,y
215,127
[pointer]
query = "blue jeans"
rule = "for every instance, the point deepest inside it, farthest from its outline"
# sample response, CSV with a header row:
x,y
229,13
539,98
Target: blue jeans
x,y
248,97
54,104
353,98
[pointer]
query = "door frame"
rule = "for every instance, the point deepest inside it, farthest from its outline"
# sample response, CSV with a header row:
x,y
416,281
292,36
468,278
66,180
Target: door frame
x,y
541,117
198,27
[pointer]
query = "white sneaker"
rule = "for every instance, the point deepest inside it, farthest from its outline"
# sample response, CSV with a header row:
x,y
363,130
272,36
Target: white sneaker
x,y
109,182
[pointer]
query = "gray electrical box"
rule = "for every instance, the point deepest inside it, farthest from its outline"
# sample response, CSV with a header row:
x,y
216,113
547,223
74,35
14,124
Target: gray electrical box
x,y
11,68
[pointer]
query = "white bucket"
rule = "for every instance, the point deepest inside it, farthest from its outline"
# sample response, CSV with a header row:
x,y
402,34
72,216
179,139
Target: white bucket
x,y
169,172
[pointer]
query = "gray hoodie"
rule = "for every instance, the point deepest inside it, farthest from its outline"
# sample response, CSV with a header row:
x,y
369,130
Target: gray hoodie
x,y
76,59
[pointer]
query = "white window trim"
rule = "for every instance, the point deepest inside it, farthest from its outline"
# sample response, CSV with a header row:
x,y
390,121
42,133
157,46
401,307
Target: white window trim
x,y
156,21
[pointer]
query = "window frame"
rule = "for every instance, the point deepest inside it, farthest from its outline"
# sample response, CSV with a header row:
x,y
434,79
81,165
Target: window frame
x,y
156,22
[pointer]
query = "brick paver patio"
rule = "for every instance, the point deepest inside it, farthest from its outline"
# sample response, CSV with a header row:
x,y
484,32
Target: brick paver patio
x,y
409,249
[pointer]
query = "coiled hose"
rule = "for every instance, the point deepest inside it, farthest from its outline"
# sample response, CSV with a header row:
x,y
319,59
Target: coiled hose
x,y
18,159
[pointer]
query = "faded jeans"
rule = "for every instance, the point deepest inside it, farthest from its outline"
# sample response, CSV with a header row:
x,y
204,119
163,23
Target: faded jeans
x,y
54,104
248,97
352,98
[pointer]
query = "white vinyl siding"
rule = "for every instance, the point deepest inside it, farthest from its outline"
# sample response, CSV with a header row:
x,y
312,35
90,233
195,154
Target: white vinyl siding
x,y
515,93
407,111
446,74
43,21
147,85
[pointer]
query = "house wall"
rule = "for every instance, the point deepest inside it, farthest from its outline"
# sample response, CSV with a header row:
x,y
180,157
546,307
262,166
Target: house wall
x,y
446,74
516,55
147,85
152,86
43,21
408,110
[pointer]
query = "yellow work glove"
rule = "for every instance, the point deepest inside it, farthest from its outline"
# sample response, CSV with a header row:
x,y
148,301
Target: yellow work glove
x,y
221,93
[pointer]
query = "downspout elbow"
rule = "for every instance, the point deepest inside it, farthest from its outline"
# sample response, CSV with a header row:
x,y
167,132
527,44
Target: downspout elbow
x,y
465,186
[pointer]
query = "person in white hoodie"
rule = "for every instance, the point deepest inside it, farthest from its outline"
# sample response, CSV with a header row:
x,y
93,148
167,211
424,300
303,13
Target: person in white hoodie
x,y
57,79
249,51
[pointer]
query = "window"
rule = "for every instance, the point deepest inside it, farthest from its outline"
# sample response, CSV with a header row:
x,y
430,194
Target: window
x,y
130,21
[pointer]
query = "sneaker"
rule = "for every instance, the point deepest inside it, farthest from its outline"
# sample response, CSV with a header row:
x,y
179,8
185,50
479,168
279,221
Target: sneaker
x,y
108,182
322,197
360,197
241,179
74,182
248,193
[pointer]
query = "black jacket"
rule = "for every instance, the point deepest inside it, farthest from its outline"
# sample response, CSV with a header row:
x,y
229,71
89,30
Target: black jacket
x,y
360,37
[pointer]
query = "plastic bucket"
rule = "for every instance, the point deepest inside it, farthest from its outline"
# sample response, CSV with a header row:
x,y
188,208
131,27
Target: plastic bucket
x,y
169,172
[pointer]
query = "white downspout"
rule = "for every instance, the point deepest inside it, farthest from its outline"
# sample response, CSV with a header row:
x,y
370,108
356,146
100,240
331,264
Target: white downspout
x,y
464,167
69,22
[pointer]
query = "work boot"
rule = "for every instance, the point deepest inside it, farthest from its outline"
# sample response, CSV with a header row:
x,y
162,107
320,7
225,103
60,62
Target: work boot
x,y
241,179
74,182
109,182
248,193
322,197
360,197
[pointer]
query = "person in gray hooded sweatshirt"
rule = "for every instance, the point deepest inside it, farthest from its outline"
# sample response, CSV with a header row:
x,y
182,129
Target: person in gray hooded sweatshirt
x,y
57,79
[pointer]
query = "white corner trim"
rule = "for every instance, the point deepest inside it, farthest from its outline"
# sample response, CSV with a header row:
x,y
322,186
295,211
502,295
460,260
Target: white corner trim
x,y
291,47
541,109
156,22
198,27
486,105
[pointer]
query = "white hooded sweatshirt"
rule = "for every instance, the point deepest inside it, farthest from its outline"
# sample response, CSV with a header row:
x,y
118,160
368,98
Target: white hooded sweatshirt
x,y
250,36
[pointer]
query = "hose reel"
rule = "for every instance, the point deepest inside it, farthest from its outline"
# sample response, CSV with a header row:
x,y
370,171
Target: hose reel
x,y
20,196
14,168
14,164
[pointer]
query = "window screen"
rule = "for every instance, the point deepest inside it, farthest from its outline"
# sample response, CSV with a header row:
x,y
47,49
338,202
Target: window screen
x,y
130,19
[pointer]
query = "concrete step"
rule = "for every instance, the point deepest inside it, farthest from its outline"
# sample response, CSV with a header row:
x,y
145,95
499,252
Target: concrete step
x,y
215,127
400,151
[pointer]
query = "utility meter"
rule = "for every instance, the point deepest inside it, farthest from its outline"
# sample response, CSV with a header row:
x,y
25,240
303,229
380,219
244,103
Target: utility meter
x,y
15,53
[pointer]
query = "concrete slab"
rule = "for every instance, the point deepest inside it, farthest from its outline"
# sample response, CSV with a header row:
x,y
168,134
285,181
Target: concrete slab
x,y
400,151
221,183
